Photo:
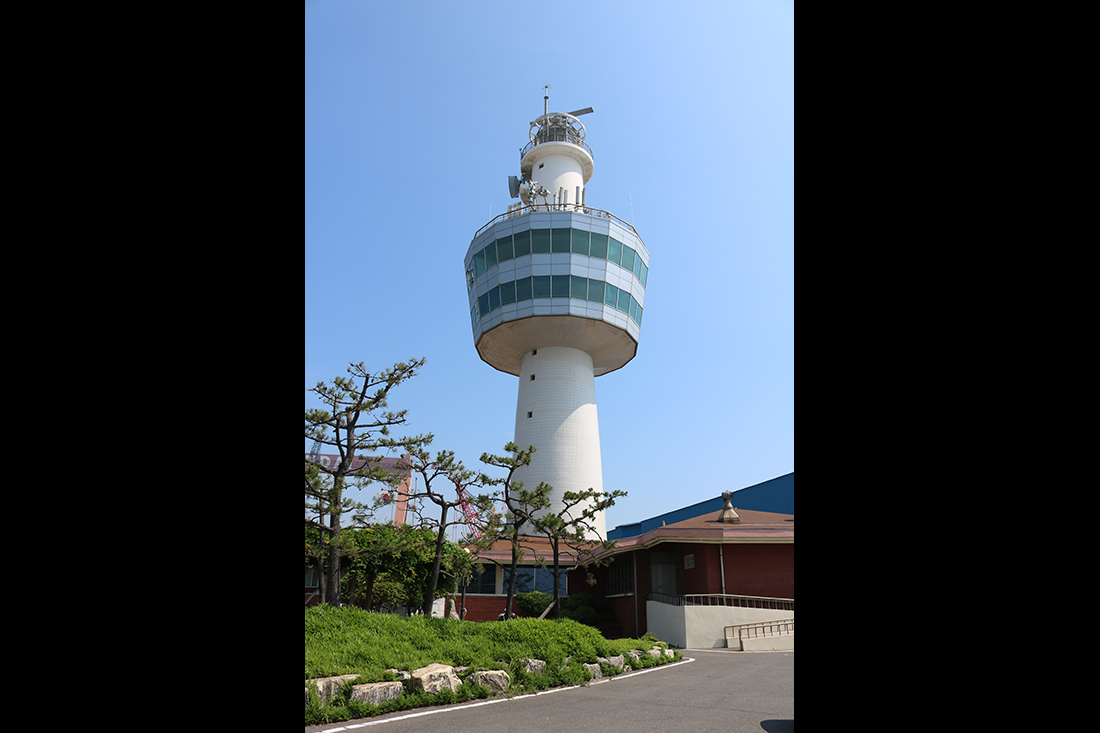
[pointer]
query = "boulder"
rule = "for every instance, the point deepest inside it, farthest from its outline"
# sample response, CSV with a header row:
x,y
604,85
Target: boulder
x,y
435,677
497,680
400,674
533,666
594,669
612,661
329,687
376,693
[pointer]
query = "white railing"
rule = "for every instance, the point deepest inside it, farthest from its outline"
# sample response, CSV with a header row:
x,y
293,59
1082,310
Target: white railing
x,y
759,630
718,599
522,209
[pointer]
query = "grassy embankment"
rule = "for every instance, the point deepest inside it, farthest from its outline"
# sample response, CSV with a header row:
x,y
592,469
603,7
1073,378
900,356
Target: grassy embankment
x,y
351,641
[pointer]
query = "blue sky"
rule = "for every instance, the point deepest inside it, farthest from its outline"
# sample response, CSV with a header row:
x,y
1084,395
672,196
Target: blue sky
x,y
414,116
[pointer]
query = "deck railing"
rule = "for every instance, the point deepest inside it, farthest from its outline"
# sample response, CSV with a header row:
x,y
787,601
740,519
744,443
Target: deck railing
x,y
718,599
521,209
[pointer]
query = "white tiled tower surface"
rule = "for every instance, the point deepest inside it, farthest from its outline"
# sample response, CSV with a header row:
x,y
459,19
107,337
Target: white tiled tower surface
x,y
556,413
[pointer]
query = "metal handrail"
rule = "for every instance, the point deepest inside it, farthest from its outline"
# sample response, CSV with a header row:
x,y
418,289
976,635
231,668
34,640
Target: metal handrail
x,y
784,625
719,599
533,208
556,134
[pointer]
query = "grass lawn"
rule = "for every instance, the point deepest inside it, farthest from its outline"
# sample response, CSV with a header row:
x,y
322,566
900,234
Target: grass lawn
x,y
349,640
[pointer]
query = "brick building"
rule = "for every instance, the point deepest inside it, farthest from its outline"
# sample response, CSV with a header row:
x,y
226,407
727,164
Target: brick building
x,y
667,559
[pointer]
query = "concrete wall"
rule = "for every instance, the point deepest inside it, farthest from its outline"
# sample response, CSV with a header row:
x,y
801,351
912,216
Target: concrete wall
x,y
702,627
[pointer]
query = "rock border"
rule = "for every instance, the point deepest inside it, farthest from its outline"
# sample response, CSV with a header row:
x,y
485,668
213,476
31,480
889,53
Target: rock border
x,y
436,677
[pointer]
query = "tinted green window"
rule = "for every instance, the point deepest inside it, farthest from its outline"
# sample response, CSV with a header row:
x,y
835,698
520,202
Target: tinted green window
x,y
633,308
595,290
504,249
523,289
507,293
638,320
483,303
624,301
638,267
479,262
610,294
540,286
628,259
599,246
579,242
522,243
484,583
560,240
474,316
560,286
540,241
491,256
614,250
643,272
494,298
578,287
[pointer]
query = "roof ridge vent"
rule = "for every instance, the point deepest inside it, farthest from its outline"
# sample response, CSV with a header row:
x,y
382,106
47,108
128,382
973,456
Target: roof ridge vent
x,y
728,515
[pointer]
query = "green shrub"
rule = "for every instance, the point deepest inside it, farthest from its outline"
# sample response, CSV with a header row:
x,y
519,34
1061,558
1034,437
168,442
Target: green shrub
x,y
579,600
533,603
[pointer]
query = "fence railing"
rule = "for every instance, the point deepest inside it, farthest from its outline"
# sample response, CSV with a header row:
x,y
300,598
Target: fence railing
x,y
521,209
717,599
759,630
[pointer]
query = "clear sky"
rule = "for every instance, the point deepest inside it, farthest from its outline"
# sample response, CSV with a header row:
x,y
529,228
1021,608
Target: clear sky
x,y
414,117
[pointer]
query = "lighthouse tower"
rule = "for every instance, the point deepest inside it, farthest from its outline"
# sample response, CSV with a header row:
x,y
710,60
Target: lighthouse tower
x,y
557,290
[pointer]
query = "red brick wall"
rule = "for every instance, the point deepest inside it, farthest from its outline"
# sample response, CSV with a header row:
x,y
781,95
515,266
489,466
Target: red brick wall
x,y
487,608
759,570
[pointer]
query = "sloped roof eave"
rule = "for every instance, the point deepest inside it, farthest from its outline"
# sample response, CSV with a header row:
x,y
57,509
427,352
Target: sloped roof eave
x,y
721,535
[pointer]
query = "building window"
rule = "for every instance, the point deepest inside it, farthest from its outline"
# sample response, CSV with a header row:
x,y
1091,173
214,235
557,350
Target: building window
x,y
529,414
531,578
622,575
484,583
689,562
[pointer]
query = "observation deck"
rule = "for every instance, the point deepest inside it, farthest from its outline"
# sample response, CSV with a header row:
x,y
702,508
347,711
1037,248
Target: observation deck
x,y
566,276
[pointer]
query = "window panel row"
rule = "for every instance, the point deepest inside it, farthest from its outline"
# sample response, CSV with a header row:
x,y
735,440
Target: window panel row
x,y
556,286
527,579
547,241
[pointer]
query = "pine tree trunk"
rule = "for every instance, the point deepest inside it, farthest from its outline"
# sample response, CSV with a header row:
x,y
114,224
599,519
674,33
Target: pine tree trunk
x,y
433,579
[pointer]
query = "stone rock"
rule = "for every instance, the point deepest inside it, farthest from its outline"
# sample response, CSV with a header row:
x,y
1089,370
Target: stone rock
x,y
451,612
612,661
533,666
400,674
594,669
376,693
329,687
497,680
435,677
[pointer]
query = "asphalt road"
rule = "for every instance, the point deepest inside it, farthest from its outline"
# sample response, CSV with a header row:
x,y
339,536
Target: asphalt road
x,y
717,691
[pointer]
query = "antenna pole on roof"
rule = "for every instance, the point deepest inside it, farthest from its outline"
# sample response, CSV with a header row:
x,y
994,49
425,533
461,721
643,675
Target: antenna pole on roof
x,y
546,99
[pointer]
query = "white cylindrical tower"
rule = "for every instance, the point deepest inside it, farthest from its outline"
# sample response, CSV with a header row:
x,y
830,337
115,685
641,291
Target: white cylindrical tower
x,y
556,412
557,292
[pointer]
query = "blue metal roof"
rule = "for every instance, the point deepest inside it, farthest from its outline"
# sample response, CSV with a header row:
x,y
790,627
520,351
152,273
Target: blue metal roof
x,y
773,495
